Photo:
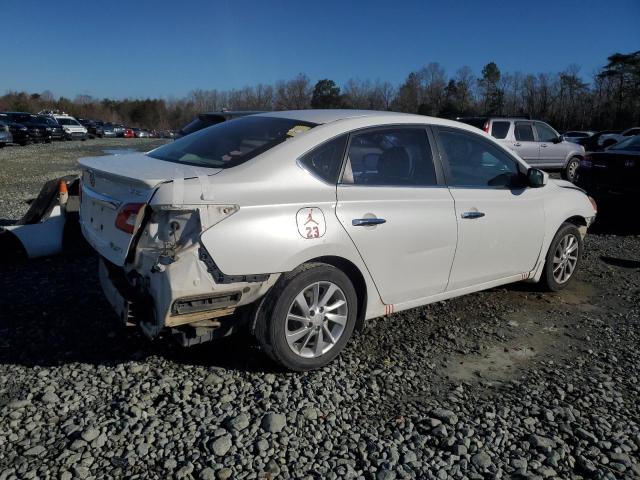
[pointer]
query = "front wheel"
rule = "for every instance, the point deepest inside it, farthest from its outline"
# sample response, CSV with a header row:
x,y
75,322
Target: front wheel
x,y
571,169
563,257
308,317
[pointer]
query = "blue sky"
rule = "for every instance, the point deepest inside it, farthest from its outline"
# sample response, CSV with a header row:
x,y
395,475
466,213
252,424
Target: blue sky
x,y
160,48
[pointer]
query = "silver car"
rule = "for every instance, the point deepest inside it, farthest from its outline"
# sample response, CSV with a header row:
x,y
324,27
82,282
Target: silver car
x,y
5,134
534,141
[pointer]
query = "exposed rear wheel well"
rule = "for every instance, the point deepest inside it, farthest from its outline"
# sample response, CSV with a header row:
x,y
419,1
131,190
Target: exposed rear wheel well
x,y
356,278
577,220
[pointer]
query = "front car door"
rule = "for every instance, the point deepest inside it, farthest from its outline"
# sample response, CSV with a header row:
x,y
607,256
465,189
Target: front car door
x,y
525,143
552,152
394,205
500,220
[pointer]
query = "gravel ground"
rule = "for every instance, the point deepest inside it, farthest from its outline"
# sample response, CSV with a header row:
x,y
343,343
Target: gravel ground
x,y
507,383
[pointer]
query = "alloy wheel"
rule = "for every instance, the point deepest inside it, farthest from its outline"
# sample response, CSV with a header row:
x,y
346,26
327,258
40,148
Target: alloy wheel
x,y
316,319
565,258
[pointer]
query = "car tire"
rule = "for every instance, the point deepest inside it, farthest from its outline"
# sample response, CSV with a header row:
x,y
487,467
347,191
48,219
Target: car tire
x,y
563,258
570,170
321,337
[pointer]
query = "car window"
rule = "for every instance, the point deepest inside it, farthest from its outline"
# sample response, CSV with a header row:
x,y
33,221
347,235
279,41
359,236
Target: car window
x,y
500,129
545,133
390,156
231,143
524,132
631,144
326,160
631,132
475,162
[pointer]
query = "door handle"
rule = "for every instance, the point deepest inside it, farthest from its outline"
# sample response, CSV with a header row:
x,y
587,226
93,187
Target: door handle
x,y
517,144
472,215
544,145
365,222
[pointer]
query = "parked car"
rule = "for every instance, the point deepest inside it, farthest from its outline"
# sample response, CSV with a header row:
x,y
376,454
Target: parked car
x,y
205,120
19,132
119,129
128,133
535,141
574,135
599,140
72,128
303,224
106,130
37,131
614,172
5,134
140,133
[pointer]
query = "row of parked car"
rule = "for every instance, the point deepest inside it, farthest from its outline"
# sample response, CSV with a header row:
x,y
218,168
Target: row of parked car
x,y
22,128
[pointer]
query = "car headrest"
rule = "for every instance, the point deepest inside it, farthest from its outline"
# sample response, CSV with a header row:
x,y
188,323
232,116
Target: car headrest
x,y
395,162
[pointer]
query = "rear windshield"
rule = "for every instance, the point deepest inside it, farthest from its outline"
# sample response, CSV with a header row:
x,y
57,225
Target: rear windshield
x,y
629,145
231,143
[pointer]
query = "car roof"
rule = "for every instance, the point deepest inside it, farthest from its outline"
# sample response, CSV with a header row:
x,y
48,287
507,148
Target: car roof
x,y
328,116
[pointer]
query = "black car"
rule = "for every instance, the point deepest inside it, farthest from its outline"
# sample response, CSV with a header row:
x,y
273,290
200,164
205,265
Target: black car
x,y
599,140
614,172
205,120
53,129
19,132
37,126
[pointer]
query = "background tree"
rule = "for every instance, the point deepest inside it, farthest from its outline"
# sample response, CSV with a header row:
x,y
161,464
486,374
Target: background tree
x,y
326,94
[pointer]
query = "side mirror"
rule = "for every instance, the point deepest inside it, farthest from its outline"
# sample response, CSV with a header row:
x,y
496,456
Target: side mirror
x,y
537,178
559,139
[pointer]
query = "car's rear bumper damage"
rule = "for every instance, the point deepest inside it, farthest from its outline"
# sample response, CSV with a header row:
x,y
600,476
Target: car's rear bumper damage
x,y
180,295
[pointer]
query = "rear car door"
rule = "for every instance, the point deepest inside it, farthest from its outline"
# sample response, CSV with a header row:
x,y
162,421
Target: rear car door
x,y
552,152
394,205
500,220
525,143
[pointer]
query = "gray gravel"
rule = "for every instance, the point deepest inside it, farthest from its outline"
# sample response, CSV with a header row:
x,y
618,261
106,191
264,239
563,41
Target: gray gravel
x,y
507,383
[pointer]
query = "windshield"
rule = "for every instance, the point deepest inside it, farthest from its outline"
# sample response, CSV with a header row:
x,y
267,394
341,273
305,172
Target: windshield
x,y
631,144
67,121
231,143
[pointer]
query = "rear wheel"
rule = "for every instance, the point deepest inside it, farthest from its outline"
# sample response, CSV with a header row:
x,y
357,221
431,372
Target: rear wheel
x,y
571,169
563,258
308,317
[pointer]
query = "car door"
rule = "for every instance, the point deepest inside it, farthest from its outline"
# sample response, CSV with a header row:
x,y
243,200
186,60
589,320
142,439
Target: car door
x,y
500,220
552,151
525,143
393,203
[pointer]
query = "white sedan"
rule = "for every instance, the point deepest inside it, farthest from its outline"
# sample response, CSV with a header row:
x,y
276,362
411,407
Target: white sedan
x,y
303,224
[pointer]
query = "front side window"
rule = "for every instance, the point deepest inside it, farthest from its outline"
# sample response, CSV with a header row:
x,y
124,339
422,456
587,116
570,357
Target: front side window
x,y
500,129
231,143
397,156
475,162
524,132
631,144
545,133
326,160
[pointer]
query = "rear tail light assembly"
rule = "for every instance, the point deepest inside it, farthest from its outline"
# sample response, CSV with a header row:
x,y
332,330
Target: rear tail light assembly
x,y
129,217
486,127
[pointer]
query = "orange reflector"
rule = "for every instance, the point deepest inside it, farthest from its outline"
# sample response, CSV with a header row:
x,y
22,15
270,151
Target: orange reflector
x,y
63,187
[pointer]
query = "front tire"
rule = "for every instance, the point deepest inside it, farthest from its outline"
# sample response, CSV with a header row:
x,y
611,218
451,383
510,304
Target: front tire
x,y
563,258
571,169
307,317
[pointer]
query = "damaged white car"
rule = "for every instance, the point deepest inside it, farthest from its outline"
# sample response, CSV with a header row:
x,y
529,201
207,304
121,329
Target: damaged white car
x,y
303,224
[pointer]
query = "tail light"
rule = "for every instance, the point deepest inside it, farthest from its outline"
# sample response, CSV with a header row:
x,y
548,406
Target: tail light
x,y
486,127
129,217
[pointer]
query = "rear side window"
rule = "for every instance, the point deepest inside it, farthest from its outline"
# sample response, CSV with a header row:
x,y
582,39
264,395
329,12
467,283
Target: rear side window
x,y
325,161
390,157
524,132
500,129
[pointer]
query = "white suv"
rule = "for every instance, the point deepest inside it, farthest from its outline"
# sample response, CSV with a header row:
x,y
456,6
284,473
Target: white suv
x,y
305,223
536,142
73,130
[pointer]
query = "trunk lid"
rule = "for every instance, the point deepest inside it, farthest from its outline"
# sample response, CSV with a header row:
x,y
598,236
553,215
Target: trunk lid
x,y
109,183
